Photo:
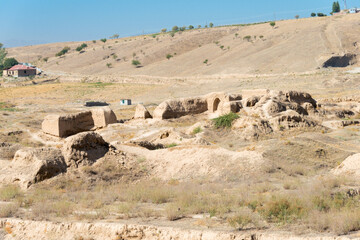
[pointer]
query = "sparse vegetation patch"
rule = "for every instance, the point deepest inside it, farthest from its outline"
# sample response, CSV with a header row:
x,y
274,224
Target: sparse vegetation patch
x,y
225,121
62,52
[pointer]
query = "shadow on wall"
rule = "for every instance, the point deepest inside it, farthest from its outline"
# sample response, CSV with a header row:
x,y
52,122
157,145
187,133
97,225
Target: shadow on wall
x,y
216,104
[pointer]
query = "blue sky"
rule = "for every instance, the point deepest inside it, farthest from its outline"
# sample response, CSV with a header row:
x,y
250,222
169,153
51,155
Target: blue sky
x,y
25,22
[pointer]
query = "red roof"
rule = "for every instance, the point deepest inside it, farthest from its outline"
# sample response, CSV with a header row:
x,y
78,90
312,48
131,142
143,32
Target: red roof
x,y
20,67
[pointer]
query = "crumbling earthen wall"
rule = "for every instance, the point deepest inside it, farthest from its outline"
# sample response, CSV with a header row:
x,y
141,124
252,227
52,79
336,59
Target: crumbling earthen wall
x,y
70,124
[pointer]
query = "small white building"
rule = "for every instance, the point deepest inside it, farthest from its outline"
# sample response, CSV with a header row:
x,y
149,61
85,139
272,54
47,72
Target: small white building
x,y
125,102
354,10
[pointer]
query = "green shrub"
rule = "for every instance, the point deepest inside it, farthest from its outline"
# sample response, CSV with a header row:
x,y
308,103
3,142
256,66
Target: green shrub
x,y
206,61
175,28
109,65
9,62
247,38
283,210
191,27
211,24
81,47
313,15
45,59
94,41
225,120
272,24
241,219
168,56
197,130
62,52
171,145
164,30
103,40
136,62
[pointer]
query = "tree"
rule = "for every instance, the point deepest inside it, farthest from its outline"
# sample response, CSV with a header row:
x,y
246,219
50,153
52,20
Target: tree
x,y
199,26
3,54
191,27
211,24
321,15
297,16
9,62
182,28
272,24
103,40
336,7
164,30
175,28
313,14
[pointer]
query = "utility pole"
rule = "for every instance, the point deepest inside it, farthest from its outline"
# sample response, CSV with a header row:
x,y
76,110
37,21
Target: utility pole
x,y
345,5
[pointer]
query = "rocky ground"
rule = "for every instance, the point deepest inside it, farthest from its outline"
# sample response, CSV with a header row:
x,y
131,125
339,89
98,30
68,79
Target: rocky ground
x,y
278,166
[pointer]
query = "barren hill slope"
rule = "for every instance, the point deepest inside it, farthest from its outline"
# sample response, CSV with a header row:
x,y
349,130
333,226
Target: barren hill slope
x,y
292,46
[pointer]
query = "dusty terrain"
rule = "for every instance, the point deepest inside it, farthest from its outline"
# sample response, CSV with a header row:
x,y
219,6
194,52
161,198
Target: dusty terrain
x,y
203,182
292,46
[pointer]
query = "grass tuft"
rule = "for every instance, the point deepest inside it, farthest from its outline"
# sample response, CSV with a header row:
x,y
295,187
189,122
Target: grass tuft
x,y
225,121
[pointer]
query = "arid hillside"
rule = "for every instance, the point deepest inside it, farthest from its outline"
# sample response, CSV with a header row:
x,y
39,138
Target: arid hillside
x,y
291,46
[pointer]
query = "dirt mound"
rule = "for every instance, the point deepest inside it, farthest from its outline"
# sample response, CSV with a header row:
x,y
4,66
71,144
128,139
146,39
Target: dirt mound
x,y
84,149
30,166
7,150
251,127
169,137
188,162
350,166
